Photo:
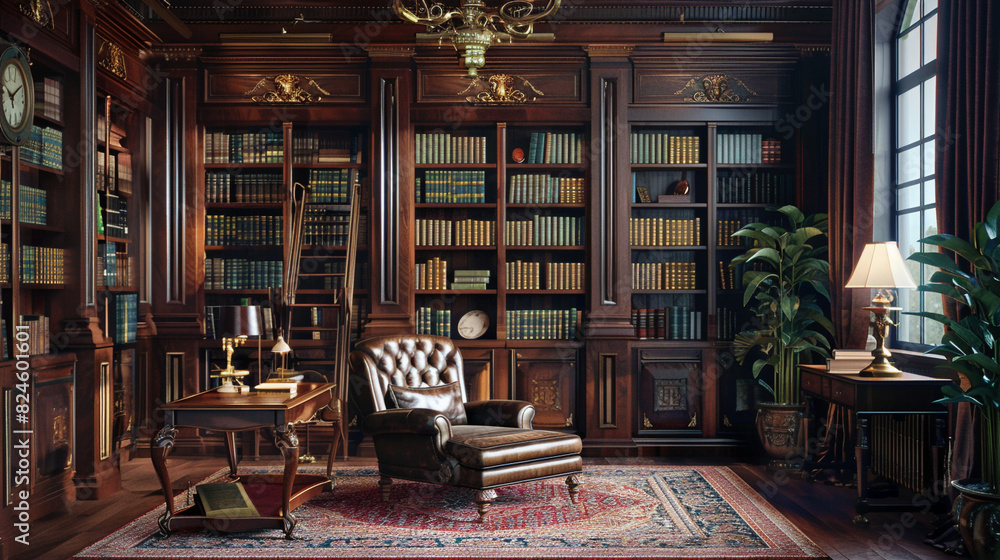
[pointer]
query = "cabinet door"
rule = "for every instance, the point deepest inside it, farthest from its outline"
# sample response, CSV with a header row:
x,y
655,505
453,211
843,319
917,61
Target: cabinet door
x,y
478,369
547,379
670,390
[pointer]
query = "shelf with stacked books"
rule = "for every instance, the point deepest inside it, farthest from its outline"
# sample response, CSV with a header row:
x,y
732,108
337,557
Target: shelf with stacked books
x,y
455,229
669,214
33,277
544,237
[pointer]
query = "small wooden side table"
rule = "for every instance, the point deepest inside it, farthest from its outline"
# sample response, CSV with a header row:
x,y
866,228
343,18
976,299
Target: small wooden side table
x,y
909,394
275,496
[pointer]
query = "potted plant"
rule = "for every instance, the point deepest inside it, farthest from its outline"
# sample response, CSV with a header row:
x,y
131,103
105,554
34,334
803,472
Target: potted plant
x,y
787,280
972,345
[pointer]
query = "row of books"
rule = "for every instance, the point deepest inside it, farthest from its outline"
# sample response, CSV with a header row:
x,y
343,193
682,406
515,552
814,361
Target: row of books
x,y
42,265
263,146
539,188
44,147
49,98
126,316
331,186
32,203
331,273
442,147
731,276
434,321
542,324
458,187
114,171
326,229
663,147
746,148
763,187
664,232
555,147
116,265
558,275
255,188
38,333
664,276
726,325
432,232
213,323
115,209
725,230
226,230
546,231
327,147
470,279
230,273
432,275
667,323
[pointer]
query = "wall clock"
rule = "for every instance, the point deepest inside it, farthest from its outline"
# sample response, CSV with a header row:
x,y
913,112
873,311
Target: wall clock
x,y
17,96
473,324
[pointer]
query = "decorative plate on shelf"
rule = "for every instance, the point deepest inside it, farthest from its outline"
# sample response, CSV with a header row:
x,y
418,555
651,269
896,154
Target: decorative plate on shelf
x,y
473,324
517,155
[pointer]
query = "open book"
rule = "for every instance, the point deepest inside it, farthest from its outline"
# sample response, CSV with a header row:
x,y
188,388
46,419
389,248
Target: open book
x,y
227,499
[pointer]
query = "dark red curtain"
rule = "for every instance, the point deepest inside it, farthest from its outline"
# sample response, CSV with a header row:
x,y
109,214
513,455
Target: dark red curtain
x,y
851,197
968,145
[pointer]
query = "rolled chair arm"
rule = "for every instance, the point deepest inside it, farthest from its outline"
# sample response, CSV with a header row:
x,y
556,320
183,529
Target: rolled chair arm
x,y
415,421
497,412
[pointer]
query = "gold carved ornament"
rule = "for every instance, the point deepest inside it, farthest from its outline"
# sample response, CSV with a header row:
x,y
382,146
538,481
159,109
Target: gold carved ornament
x,y
40,11
694,421
545,394
569,420
716,88
499,90
645,421
112,58
285,89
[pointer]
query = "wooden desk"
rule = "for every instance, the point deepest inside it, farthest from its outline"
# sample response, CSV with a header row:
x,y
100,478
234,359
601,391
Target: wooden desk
x,y
909,394
274,495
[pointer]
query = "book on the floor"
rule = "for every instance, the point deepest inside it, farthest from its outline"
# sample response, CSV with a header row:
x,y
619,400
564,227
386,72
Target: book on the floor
x,y
228,499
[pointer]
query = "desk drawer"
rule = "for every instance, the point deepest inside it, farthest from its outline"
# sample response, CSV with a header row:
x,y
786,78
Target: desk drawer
x,y
810,383
842,393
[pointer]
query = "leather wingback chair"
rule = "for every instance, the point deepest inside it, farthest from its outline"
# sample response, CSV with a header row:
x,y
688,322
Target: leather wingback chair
x,y
411,391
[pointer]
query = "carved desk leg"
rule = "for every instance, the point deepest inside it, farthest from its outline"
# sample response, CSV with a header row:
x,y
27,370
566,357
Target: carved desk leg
x,y
231,445
861,456
288,443
161,445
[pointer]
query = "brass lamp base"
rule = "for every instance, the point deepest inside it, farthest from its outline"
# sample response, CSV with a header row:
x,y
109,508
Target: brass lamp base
x,y
880,366
879,369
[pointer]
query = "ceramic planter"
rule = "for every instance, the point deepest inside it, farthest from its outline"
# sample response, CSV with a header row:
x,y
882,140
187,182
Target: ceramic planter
x,y
978,514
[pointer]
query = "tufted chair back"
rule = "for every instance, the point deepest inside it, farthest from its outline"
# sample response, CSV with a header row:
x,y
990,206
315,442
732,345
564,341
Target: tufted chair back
x,y
406,361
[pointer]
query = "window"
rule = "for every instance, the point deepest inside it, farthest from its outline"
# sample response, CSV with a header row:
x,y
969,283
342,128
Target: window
x,y
913,150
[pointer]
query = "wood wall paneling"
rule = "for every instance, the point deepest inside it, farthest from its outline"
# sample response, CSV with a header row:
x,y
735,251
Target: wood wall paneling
x,y
322,86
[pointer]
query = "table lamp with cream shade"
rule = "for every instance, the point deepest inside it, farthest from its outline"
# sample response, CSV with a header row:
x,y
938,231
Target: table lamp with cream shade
x,y
881,267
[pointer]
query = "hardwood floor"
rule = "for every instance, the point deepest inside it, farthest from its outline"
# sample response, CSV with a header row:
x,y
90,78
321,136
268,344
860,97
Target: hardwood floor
x,y
822,512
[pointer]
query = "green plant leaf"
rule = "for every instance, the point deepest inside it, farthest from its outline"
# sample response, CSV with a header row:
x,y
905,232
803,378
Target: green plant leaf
x,y
794,214
768,255
960,246
939,260
789,305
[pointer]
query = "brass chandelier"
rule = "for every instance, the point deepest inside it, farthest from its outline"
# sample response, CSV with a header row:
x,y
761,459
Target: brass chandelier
x,y
473,27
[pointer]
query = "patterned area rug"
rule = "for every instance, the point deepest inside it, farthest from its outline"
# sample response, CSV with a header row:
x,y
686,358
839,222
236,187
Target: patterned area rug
x,y
623,512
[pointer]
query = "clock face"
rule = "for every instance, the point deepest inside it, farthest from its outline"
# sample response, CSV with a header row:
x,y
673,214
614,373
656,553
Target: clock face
x,y
473,324
17,97
15,106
